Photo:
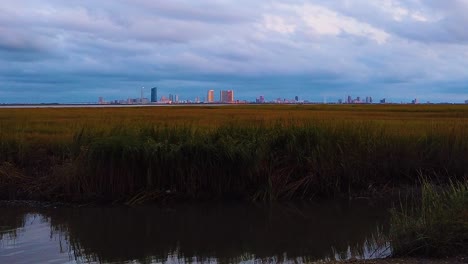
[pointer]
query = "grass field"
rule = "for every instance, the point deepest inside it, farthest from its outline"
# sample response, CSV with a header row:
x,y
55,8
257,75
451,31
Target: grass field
x,y
252,152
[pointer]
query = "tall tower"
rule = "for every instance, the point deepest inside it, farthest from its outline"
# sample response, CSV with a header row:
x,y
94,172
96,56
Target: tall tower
x,y
210,97
142,95
227,96
154,95
222,96
230,95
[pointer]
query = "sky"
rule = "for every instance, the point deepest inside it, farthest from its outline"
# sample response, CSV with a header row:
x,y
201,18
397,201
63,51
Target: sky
x,y
75,51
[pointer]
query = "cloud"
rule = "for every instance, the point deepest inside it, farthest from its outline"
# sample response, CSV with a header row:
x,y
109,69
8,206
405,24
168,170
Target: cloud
x,y
277,24
304,47
324,21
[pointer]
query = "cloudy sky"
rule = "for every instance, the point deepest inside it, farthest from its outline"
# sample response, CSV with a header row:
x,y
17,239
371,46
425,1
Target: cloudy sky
x,y
75,51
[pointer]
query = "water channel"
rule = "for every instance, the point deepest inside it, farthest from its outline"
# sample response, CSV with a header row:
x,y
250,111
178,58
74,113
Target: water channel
x,y
194,233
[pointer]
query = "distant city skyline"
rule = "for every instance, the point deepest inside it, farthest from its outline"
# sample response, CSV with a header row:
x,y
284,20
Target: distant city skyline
x,y
227,96
76,51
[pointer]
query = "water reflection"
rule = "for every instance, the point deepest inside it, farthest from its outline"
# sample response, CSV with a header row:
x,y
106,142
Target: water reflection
x,y
198,233
10,222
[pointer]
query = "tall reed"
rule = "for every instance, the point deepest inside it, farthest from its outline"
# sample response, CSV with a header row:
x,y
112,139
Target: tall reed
x,y
258,162
435,225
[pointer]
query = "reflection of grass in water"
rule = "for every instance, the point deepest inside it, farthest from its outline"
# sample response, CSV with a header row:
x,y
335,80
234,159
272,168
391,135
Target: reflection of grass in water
x,y
11,221
97,234
437,225
207,232
8,232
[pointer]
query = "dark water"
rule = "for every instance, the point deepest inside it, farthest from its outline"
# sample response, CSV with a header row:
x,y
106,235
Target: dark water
x,y
194,233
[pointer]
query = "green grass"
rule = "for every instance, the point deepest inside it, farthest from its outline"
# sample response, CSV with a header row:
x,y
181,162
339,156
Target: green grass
x,y
436,225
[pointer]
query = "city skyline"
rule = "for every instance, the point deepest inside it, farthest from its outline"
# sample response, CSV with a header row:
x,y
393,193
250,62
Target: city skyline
x,y
227,97
76,51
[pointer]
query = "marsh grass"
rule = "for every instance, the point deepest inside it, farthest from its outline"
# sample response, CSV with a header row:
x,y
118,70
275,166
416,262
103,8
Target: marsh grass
x,y
253,153
436,224
254,162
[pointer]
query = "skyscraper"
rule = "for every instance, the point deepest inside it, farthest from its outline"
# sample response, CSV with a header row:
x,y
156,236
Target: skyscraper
x,y
261,99
222,96
226,96
210,97
154,94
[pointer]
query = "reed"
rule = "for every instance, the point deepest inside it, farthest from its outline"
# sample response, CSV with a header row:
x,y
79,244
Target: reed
x,y
261,153
435,225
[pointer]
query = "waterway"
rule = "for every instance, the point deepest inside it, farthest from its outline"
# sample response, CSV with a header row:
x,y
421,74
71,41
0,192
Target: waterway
x,y
194,233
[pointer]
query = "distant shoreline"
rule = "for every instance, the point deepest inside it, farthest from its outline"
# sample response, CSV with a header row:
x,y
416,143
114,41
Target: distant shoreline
x,y
57,105
102,105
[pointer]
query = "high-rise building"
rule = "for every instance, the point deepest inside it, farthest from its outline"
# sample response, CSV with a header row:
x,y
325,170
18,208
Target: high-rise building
x,y
296,98
383,101
171,97
210,96
350,100
101,100
226,96
222,96
154,94
262,99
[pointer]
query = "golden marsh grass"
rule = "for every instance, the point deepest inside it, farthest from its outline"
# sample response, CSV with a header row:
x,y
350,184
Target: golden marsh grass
x,y
254,152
